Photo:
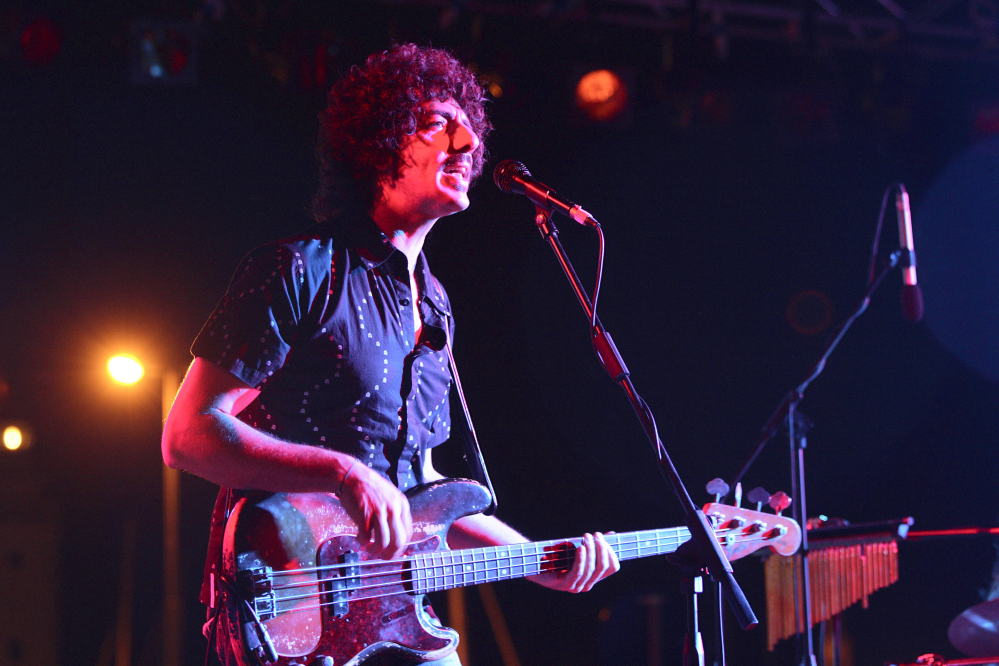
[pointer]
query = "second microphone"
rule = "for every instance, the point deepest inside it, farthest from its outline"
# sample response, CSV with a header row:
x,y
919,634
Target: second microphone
x,y
513,177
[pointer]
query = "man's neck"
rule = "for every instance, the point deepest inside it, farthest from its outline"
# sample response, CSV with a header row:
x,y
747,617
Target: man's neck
x,y
404,232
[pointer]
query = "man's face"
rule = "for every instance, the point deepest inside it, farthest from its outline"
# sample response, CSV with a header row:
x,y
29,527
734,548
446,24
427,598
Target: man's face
x,y
437,163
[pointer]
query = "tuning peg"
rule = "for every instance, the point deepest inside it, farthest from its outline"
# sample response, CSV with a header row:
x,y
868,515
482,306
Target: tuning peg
x,y
718,488
779,501
760,496
738,495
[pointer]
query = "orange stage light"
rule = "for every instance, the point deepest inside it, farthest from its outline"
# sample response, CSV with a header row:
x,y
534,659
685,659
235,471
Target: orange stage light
x,y
601,95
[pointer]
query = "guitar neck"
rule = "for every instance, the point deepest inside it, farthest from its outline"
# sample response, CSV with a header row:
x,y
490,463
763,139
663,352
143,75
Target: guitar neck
x,y
448,569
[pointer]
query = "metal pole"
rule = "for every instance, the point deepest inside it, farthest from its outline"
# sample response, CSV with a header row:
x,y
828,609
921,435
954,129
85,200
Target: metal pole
x,y
172,609
458,619
126,594
508,653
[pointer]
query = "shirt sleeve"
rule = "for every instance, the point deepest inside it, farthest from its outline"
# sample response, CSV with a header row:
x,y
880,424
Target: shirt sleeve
x,y
251,331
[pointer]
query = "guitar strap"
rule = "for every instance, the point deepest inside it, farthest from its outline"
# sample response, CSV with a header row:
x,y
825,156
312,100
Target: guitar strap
x,y
463,427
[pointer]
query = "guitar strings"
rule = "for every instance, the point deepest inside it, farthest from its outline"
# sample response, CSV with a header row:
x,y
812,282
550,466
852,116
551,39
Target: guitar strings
x,y
419,590
456,559
624,551
425,561
420,585
681,534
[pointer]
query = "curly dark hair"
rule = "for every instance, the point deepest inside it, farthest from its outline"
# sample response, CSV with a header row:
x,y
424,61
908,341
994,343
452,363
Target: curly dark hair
x,y
374,108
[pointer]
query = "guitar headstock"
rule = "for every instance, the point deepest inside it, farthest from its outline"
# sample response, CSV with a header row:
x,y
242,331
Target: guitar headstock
x,y
742,531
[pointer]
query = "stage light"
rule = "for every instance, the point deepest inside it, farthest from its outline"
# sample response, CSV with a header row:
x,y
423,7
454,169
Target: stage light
x,y
125,369
601,95
17,436
13,438
41,41
163,52
492,82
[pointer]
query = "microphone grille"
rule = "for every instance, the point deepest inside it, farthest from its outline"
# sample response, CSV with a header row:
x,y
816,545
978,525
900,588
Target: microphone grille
x,y
506,171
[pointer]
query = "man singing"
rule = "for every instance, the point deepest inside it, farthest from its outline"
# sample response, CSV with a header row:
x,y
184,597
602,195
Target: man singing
x,y
323,368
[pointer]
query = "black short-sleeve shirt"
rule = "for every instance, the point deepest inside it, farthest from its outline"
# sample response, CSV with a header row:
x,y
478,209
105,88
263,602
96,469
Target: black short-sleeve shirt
x,y
322,325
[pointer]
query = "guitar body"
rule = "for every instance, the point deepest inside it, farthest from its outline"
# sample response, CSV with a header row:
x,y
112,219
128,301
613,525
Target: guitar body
x,y
313,613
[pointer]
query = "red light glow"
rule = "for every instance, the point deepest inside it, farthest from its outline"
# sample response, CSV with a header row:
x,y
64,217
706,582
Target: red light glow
x,y
601,94
41,41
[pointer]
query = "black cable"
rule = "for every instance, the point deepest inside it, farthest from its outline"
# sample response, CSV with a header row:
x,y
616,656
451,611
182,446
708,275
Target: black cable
x,y
600,275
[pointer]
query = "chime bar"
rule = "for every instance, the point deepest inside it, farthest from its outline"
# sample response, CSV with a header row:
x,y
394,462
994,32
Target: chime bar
x,y
846,565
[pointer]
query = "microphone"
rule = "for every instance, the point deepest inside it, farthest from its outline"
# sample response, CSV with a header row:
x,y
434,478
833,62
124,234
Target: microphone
x,y
512,176
912,296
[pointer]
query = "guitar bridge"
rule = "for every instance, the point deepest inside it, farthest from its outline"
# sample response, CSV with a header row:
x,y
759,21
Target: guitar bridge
x,y
255,585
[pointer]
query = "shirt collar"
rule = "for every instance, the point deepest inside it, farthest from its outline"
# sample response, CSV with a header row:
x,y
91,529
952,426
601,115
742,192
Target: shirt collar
x,y
431,289
374,248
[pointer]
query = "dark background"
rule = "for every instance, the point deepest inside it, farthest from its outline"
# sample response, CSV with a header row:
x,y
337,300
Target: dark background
x,y
738,178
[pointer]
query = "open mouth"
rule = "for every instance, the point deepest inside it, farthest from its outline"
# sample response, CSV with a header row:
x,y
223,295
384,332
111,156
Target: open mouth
x,y
458,170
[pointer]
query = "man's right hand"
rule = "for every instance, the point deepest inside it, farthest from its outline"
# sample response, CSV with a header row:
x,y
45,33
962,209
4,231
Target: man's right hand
x,y
380,511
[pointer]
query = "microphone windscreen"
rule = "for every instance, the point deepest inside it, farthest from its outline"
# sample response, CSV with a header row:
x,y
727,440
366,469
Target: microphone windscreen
x,y
506,171
912,302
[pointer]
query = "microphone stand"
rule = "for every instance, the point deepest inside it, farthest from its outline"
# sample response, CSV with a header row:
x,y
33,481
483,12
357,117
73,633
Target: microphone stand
x,y
703,550
797,425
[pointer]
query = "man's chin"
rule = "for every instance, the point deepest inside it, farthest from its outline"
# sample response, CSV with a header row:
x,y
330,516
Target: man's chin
x,y
457,202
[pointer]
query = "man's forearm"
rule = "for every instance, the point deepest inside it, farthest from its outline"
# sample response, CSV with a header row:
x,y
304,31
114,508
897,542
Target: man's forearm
x,y
478,530
226,451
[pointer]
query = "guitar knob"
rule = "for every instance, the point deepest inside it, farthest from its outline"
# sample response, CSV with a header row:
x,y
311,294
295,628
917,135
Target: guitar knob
x,y
323,661
779,501
759,496
736,522
718,488
758,526
778,531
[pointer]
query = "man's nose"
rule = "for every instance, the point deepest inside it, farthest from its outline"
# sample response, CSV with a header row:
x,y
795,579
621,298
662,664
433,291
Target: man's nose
x,y
464,140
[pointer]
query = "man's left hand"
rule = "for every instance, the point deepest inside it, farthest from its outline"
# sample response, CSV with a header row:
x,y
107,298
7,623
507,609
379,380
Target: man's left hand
x,y
595,560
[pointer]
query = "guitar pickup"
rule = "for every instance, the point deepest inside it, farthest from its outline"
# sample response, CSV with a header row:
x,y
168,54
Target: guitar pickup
x,y
255,584
341,581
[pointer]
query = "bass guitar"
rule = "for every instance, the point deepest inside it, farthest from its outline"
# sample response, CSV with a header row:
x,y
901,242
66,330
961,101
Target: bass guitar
x,y
299,590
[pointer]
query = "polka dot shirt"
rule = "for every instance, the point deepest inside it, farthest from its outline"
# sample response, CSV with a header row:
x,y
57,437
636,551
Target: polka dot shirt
x,y
322,324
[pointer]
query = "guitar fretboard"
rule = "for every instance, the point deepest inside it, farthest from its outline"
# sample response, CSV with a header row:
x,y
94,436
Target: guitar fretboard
x,y
448,569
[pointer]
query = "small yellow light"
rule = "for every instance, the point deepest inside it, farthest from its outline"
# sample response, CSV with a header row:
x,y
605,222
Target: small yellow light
x,y
125,368
12,438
